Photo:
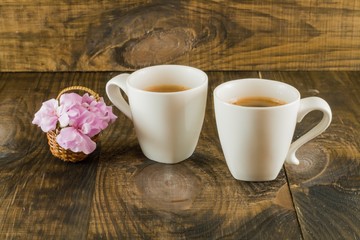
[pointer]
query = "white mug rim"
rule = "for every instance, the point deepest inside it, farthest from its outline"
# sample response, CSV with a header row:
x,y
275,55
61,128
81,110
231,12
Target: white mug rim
x,y
133,75
231,82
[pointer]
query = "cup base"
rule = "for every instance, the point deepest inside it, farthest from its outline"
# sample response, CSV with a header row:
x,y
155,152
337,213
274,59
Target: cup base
x,y
167,160
250,178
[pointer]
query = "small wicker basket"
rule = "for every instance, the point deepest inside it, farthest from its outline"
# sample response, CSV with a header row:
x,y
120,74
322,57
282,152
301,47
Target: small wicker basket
x,y
55,148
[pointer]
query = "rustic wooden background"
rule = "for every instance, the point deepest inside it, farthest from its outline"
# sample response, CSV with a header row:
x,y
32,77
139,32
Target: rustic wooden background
x,y
95,35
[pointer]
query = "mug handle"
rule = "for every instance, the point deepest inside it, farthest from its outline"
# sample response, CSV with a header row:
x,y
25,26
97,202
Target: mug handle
x,y
113,87
307,105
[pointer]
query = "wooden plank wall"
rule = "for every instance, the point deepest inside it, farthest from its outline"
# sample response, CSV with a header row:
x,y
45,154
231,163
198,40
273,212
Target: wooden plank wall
x,y
95,35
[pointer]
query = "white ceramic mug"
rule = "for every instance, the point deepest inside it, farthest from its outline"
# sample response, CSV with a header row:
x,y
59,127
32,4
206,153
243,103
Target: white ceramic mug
x,y
167,124
256,141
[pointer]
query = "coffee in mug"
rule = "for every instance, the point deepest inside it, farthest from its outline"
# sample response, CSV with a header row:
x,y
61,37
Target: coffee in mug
x,y
166,88
258,102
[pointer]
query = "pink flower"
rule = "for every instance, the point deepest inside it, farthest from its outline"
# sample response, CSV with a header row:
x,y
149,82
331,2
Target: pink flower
x,y
46,118
70,108
79,118
98,116
68,100
88,124
71,138
102,111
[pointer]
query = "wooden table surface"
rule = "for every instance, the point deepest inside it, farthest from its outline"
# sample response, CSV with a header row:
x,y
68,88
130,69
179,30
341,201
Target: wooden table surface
x,y
117,193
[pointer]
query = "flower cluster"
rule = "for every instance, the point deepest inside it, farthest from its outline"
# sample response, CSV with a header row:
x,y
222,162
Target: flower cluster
x,y
79,118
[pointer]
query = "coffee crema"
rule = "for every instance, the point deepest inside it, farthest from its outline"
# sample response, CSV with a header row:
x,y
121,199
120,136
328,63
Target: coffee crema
x,y
166,88
258,102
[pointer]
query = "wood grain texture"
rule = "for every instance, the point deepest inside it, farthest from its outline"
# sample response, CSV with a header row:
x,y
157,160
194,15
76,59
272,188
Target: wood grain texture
x,y
212,35
326,185
118,193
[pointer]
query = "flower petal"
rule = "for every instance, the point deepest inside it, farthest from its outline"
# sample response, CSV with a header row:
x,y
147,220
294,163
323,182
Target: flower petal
x,y
46,117
71,138
70,99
